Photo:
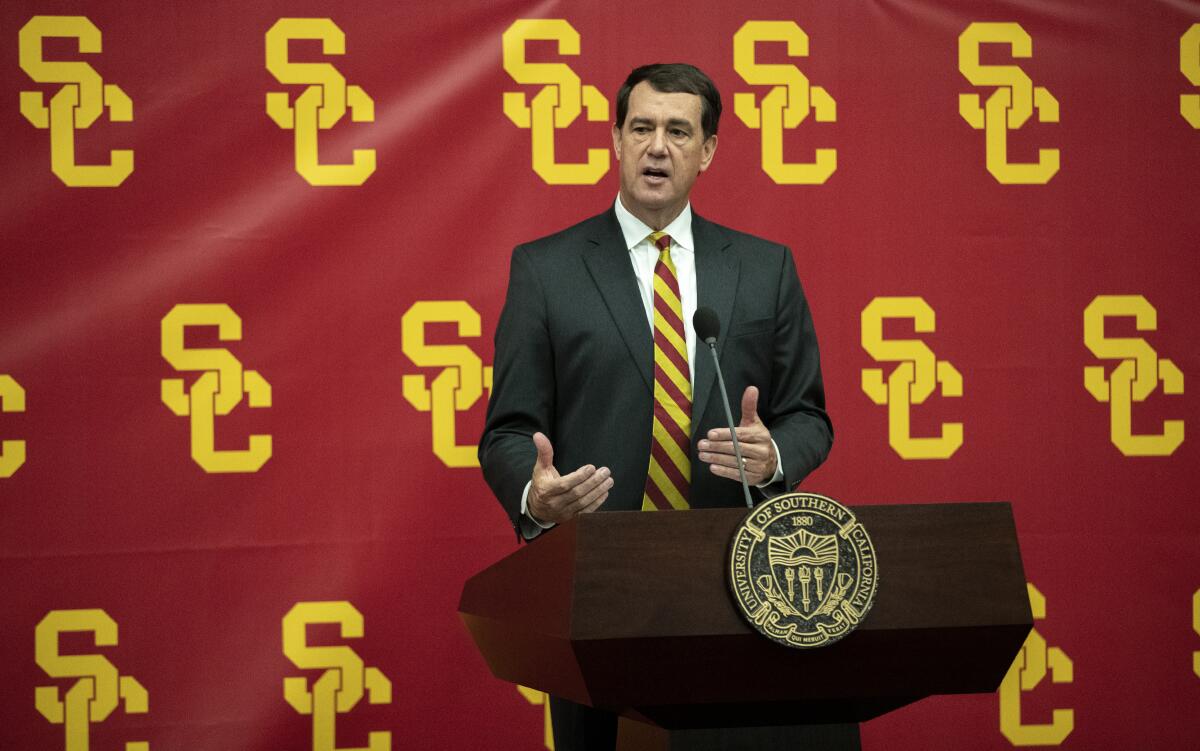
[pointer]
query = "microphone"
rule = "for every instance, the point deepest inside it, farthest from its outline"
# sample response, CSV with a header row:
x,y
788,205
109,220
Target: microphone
x,y
708,328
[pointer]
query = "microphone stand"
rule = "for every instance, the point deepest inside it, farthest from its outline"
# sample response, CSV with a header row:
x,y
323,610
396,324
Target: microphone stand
x,y
737,447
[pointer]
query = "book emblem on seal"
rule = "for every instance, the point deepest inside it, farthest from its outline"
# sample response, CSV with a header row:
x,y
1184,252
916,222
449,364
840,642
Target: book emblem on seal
x,y
802,570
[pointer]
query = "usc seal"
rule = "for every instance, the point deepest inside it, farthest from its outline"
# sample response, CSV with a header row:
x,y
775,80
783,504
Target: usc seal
x,y
802,570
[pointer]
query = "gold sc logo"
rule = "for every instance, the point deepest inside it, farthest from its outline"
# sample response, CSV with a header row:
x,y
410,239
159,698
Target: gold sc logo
x,y
1189,65
786,105
217,391
1196,628
1028,670
558,104
12,399
1009,106
541,699
99,690
1135,378
913,380
345,680
460,384
79,103
321,105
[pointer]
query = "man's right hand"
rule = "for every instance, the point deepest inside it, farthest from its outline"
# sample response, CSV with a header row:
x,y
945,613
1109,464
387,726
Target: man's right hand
x,y
555,498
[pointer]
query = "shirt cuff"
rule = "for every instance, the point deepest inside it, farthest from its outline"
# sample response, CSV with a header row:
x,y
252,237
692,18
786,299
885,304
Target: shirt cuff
x,y
530,526
777,477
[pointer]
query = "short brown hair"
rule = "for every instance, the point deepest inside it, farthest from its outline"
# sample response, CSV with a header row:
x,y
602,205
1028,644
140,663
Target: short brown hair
x,y
671,78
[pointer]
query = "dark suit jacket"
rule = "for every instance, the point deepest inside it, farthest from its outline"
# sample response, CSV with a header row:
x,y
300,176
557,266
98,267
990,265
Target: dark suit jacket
x,y
574,359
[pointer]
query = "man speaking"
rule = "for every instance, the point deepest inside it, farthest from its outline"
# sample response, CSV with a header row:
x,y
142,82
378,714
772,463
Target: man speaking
x,y
600,398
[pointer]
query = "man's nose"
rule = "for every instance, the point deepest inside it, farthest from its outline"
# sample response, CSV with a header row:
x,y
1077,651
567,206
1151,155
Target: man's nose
x,y
658,141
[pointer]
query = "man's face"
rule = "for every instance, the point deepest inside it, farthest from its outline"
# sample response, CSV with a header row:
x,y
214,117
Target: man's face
x,y
662,149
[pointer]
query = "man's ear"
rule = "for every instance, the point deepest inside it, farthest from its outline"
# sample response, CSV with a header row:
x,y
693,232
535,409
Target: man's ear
x,y
616,133
707,150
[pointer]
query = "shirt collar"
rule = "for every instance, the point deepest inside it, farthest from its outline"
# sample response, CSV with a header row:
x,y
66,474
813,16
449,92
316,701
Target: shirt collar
x,y
635,230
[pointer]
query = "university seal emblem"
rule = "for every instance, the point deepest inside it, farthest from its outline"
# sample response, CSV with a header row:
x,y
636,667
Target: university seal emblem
x,y
802,570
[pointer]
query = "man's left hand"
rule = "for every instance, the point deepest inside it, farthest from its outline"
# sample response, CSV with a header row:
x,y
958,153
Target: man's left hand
x,y
753,437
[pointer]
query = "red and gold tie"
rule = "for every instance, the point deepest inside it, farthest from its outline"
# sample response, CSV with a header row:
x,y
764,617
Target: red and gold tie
x,y
670,473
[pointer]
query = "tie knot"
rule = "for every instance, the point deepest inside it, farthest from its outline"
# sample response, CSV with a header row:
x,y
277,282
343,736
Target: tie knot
x,y
661,240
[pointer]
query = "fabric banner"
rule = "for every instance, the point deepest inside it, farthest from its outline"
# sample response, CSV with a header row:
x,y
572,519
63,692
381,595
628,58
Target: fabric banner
x,y
253,256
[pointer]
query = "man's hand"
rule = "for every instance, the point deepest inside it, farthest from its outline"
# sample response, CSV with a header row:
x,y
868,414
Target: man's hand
x,y
558,498
758,451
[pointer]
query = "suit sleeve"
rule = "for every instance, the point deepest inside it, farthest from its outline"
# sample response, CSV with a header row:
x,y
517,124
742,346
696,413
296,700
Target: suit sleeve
x,y
523,388
797,419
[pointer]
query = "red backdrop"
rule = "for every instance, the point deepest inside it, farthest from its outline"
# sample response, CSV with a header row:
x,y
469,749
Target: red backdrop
x,y
118,498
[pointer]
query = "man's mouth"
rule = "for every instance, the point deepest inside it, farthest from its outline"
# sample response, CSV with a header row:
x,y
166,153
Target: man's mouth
x,y
654,175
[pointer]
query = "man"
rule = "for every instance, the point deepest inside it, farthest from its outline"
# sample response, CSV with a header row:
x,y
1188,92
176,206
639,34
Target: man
x,y
593,407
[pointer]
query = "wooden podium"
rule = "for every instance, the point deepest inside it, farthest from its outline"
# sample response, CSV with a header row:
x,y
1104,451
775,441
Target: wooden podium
x,y
631,612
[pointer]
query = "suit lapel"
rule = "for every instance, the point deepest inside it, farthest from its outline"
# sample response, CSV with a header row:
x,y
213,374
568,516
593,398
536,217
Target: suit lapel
x,y
716,286
608,262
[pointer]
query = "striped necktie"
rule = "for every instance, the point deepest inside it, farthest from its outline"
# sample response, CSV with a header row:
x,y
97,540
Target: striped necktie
x,y
670,473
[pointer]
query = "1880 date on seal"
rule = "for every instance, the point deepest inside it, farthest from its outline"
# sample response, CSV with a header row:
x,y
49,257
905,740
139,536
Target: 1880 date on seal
x,y
802,570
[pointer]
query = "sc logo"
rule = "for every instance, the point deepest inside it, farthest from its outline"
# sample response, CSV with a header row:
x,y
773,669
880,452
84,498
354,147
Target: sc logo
x,y
788,103
12,399
559,102
345,680
541,699
460,384
913,380
217,391
99,690
1189,65
1028,670
79,103
1009,106
1196,628
1138,374
321,105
